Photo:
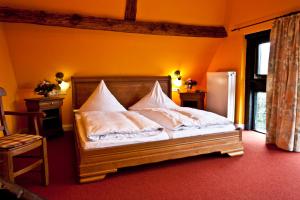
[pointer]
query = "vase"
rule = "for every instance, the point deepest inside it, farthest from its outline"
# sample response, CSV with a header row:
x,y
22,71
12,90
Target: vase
x,y
46,94
189,88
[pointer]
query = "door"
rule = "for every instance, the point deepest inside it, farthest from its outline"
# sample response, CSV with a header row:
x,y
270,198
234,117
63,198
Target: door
x,y
258,50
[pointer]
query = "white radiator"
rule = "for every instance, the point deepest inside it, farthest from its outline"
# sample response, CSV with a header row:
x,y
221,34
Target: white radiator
x,y
221,93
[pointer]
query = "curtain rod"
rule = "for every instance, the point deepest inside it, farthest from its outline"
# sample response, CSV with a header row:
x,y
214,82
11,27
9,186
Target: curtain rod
x,y
267,20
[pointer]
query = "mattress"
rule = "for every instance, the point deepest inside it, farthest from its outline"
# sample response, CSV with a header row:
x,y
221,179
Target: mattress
x,y
108,142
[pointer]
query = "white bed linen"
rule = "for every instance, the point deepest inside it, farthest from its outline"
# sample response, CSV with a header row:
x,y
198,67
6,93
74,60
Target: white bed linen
x,y
156,98
203,118
183,118
110,142
200,131
168,118
102,100
164,135
117,125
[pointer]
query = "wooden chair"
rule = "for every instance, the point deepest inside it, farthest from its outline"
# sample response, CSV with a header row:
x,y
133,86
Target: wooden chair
x,y
15,145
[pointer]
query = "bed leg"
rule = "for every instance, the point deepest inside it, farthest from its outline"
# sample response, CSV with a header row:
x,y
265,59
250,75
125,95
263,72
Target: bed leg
x,y
92,178
235,153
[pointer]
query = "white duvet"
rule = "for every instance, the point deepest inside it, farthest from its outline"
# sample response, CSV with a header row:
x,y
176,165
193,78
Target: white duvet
x,y
117,125
182,118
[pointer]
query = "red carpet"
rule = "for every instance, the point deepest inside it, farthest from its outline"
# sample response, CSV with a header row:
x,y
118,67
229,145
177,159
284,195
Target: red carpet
x,y
262,173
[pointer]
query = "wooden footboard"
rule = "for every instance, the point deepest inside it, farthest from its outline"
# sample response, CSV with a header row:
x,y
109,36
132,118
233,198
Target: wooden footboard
x,y
94,164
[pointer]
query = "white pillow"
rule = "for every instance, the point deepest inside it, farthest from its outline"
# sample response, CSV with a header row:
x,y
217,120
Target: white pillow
x,y
155,99
102,100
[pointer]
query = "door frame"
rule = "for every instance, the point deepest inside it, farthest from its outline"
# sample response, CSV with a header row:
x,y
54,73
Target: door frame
x,y
253,81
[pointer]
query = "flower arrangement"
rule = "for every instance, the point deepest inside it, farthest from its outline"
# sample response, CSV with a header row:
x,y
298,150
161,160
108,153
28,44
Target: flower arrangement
x,y
44,88
190,83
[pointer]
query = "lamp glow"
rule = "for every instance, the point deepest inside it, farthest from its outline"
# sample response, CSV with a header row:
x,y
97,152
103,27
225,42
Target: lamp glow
x,y
64,86
177,82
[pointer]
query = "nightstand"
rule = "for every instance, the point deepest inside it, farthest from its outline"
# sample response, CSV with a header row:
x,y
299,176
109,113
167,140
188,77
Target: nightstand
x,y
193,99
51,124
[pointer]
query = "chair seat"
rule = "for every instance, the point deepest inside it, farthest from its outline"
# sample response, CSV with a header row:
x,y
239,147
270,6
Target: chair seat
x,y
15,140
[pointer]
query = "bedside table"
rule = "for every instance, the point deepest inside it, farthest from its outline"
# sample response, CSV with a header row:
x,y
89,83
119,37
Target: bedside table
x,y
192,99
51,125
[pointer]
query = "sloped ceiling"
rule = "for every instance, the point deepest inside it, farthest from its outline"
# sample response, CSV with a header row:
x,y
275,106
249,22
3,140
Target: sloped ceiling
x,y
37,52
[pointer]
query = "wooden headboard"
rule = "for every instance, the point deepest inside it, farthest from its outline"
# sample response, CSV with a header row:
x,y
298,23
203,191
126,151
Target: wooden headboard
x,y
127,89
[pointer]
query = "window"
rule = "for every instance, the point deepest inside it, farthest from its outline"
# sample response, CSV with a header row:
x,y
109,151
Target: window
x,y
257,60
263,58
260,112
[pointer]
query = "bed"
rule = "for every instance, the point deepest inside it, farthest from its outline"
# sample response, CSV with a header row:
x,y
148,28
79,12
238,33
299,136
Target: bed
x,y
94,163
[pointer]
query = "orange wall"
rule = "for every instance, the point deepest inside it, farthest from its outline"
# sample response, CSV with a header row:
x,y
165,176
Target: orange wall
x,y
38,52
190,12
7,79
244,12
231,53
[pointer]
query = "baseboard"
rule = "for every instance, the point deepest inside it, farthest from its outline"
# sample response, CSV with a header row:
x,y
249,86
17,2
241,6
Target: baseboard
x,y
241,126
68,127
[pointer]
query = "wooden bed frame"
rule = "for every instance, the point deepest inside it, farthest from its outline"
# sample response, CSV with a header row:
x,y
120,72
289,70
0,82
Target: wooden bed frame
x,y
94,164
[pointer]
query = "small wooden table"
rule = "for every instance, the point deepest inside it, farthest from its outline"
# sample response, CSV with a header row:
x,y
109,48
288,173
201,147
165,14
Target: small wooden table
x,y
193,99
51,125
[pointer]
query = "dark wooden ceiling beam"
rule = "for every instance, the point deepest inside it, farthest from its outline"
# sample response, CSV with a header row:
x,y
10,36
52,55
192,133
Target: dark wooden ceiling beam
x,y
97,23
130,10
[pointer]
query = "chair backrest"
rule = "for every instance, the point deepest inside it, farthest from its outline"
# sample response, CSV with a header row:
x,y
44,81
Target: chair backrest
x,y
3,124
